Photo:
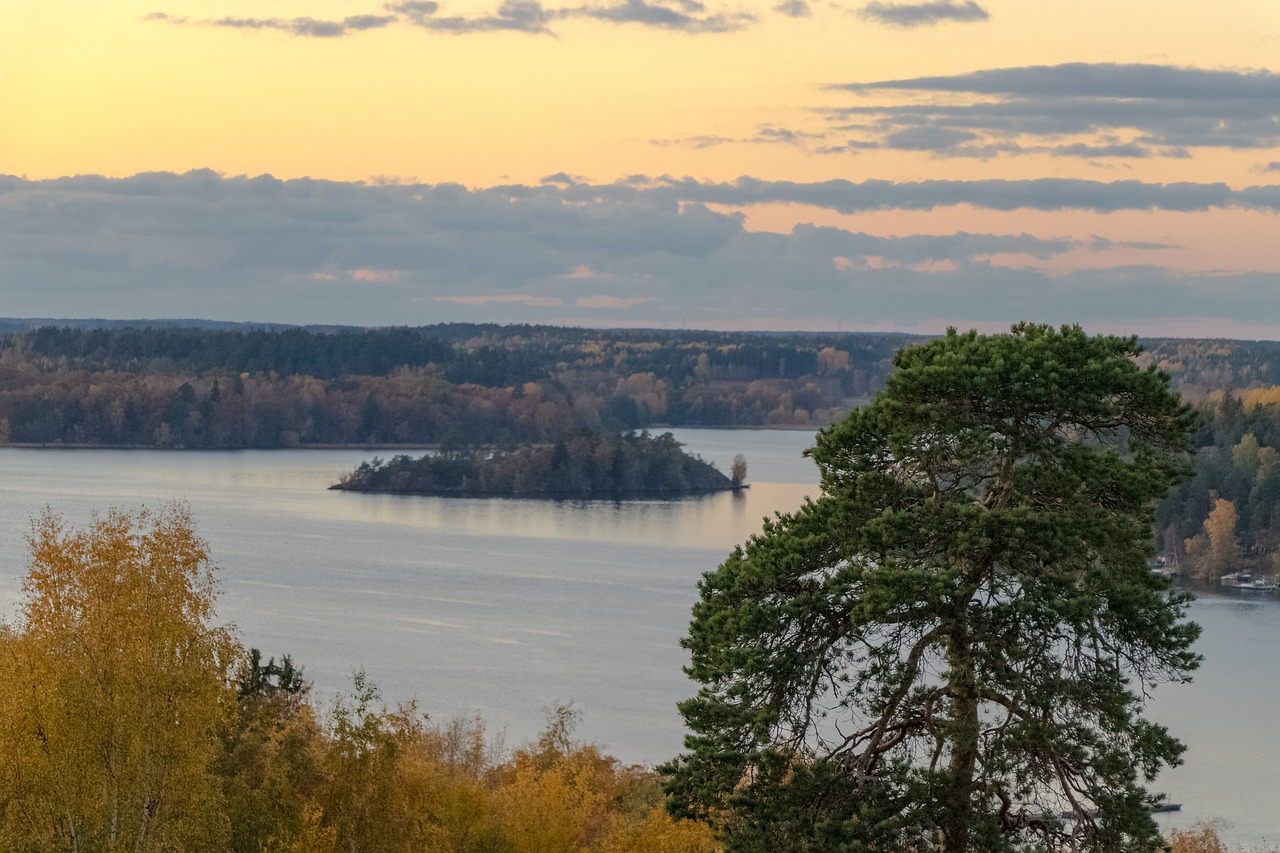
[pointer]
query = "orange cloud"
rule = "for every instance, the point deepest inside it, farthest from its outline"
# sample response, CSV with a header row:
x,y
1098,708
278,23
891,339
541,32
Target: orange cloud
x,y
381,276
582,271
502,298
609,301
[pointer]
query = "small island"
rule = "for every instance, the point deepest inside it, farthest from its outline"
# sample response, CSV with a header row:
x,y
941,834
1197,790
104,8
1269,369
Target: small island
x,y
584,465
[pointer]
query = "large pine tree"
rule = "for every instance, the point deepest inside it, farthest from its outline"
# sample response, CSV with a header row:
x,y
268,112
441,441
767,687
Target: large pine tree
x,y
950,648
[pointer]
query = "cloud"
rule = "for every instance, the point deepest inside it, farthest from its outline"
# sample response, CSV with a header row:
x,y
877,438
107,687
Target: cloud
x,y
1111,110
794,8
1102,244
1054,194
526,16
373,275
687,16
927,138
416,11
524,299
765,134
910,15
582,272
703,141
368,22
306,27
1110,80
610,302
1081,149
305,250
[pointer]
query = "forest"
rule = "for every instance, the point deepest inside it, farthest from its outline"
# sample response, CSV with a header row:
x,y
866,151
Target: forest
x,y
176,386
1226,516
584,464
447,385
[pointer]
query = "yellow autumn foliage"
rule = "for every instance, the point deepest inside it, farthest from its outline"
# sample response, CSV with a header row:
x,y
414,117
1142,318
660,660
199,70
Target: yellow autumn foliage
x,y
116,686
129,720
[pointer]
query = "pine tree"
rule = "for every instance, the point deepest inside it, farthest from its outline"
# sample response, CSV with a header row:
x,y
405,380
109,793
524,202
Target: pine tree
x,y
946,649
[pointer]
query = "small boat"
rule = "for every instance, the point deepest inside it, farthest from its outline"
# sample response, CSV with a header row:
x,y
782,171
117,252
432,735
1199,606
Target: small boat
x,y
1247,580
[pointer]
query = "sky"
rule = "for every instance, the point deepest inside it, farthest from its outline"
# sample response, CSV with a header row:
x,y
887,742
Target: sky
x,y
782,165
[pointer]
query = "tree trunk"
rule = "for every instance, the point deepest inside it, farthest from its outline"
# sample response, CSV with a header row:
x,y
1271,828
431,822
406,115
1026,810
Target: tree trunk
x,y
957,806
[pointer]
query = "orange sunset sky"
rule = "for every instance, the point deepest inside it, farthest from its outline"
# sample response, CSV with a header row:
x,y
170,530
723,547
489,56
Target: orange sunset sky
x,y
786,165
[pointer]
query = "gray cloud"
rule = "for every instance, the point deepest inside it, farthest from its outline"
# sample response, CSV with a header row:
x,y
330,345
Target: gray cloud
x,y
688,17
307,27
527,16
1101,80
794,8
416,11
928,138
1052,194
703,141
368,22
1122,111
643,251
1115,149
1102,244
765,134
909,15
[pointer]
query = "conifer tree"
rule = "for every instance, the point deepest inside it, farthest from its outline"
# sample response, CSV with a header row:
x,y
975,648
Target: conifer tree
x,y
950,647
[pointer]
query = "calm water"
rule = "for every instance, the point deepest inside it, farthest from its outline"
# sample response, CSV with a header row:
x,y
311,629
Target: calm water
x,y
509,606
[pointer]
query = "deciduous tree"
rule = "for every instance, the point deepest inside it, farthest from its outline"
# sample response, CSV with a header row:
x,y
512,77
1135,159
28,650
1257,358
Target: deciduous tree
x,y
117,683
951,646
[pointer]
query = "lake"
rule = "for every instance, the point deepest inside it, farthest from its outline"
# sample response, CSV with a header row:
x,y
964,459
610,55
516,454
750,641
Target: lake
x,y
507,607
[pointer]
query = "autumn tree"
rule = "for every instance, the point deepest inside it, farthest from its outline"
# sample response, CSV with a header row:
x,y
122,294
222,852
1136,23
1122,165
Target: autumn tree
x,y
1214,551
949,647
272,764
116,684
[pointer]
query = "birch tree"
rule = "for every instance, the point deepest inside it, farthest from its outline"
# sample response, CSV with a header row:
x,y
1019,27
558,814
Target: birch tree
x,y
116,683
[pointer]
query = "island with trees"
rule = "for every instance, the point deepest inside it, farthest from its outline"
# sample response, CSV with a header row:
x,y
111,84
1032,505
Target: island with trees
x,y
586,464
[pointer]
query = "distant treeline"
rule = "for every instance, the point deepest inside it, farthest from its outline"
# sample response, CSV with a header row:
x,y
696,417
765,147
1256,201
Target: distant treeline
x,y
449,385
1200,367
196,387
587,464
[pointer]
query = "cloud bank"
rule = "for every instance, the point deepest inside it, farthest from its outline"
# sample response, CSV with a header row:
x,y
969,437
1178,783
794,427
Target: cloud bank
x,y
1104,110
524,16
647,251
